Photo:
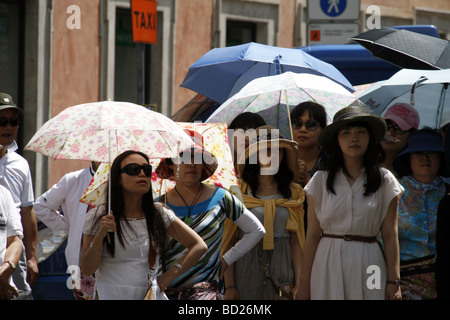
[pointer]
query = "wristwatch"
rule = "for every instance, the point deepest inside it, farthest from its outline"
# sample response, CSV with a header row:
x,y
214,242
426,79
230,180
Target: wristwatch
x,y
11,264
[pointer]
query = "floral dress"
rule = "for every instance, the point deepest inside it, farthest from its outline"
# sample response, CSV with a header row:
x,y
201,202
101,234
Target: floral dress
x,y
417,236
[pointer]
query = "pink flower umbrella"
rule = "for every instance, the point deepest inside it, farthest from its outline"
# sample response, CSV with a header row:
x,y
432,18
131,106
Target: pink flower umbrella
x,y
100,131
214,139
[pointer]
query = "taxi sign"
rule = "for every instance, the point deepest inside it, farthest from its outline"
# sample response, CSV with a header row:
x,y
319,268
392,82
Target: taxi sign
x,y
143,20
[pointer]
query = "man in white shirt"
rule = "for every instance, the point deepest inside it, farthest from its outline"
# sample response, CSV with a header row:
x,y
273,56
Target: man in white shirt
x,y
15,175
10,243
66,194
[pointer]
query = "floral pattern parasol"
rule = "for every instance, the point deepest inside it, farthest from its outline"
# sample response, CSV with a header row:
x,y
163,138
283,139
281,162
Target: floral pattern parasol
x,y
215,140
100,131
273,98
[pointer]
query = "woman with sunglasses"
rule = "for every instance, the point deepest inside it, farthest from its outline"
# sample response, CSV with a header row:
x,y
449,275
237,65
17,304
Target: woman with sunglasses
x,y
124,261
401,121
207,209
308,119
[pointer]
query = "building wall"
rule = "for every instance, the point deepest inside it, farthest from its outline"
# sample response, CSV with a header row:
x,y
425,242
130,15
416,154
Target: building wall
x,y
75,74
193,35
201,26
288,13
66,67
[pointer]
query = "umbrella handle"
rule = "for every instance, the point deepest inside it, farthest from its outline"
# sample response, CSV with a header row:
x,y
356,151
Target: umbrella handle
x,y
413,89
289,115
108,237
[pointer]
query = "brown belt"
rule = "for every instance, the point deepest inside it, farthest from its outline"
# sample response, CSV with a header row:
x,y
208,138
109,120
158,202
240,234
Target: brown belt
x,y
351,237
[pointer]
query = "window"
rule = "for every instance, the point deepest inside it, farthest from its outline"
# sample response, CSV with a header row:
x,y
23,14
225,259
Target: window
x,y
240,32
11,53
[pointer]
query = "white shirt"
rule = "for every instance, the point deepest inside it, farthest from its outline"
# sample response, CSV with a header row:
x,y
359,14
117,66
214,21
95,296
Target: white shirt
x,y
66,194
15,175
10,224
125,276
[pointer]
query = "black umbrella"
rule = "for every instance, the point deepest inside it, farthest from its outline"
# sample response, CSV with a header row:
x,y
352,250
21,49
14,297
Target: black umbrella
x,y
406,49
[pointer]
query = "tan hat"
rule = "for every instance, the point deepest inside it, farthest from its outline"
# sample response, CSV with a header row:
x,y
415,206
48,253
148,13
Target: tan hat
x,y
349,115
267,137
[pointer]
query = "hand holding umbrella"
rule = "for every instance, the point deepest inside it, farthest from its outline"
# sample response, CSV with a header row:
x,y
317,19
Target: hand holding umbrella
x,y
100,131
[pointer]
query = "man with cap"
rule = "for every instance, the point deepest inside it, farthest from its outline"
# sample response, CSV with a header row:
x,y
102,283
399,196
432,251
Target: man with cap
x,y
401,120
15,175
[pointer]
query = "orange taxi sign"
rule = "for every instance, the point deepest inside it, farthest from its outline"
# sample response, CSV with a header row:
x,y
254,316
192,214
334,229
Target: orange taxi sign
x,y
143,20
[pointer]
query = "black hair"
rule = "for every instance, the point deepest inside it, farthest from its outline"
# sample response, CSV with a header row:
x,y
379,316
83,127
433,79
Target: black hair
x,y
316,111
371,162
155,222
247,120
283,177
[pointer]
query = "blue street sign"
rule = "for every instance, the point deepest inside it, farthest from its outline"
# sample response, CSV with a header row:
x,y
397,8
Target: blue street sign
x,y
333,8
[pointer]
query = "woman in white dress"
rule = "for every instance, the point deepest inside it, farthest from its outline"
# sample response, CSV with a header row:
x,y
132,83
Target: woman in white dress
x,y
124,262
349,203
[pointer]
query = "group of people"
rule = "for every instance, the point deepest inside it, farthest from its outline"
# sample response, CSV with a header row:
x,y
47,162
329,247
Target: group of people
x,y
350,210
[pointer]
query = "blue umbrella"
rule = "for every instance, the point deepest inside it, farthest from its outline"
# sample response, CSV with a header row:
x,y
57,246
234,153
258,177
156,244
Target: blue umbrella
x,y
222,72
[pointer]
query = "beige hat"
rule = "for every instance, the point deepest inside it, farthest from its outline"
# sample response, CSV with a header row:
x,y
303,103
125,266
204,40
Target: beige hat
x,y
267,137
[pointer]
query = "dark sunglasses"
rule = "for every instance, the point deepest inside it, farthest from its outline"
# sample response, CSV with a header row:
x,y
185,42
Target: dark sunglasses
x,y
14,122
133,169
310,125
391,125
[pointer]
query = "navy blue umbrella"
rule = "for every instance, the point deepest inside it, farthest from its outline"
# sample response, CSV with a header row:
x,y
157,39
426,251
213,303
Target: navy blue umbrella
x,y
222,72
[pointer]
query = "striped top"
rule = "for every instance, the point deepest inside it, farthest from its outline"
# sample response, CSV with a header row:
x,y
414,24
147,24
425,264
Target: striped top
x,y
208,218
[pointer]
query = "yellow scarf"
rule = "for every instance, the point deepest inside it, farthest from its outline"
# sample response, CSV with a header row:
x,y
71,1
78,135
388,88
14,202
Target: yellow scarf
x,y
295,221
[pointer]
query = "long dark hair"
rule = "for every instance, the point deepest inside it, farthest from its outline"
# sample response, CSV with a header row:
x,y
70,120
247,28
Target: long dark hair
x,y
283,177
155,223
371,160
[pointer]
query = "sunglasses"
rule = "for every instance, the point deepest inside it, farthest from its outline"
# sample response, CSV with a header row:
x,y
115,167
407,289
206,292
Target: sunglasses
x,y
133,169
310,125
14,122
391,125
